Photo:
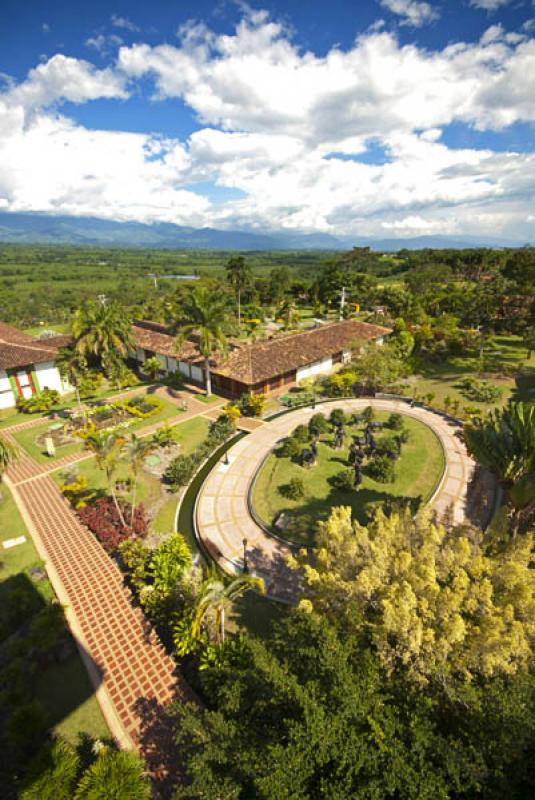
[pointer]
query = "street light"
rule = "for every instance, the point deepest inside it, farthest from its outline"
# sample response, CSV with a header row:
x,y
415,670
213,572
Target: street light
x,y
226,462
245,566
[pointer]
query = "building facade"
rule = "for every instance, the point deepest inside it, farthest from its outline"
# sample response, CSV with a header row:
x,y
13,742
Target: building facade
x,y
263,367
27,366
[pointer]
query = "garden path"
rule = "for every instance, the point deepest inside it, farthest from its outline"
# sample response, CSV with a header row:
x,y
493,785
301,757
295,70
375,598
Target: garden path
x,y
223,518
127,664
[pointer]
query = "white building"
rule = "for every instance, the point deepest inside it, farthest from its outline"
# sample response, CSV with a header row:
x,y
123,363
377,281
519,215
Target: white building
x,y
27,365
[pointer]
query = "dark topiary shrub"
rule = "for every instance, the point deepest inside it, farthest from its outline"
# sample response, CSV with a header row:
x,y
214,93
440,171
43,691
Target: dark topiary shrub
x,y
338,417
343,480
368,414
318,422
102,519
381,469
220,430
395,422
301,434
294,490
290,448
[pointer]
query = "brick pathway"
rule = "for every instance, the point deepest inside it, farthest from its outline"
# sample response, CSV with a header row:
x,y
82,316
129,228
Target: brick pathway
x,y
128,666
223,518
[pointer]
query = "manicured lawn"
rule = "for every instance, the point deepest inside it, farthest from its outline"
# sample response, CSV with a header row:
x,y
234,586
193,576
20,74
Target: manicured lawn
x,y
67,693
418,471
443,378
65,690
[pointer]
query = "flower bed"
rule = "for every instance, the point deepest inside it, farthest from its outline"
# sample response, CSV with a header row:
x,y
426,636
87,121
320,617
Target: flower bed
x,y
142,407
102,519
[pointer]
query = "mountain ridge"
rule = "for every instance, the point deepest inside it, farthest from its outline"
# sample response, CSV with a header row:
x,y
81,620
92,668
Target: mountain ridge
x,y
36,228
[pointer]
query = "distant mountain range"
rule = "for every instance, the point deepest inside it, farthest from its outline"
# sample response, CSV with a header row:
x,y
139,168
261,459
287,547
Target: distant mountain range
x,y
52,229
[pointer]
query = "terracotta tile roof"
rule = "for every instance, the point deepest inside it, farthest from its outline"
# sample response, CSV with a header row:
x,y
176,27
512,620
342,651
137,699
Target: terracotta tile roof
x,y
261,361
253,363
156,337
18,349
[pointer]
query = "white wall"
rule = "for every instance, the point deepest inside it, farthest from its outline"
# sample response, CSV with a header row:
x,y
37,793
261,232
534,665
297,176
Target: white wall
x,y
48,377
7,398
171,364
197,374
139,355
316,368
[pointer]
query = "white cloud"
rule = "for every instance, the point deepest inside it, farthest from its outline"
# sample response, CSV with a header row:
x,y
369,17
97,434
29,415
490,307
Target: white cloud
x,y
412,12
124,23
62,78
104,43
45,27
272,120
489,5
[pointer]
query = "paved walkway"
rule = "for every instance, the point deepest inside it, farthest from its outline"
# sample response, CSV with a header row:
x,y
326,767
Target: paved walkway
x,y
223,518
128,666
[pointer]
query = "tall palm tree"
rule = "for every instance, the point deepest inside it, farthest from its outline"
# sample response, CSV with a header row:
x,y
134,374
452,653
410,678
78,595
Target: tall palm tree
x,y
102,331
239,276
216,597
203,313
504,442
72,365
136,450
105,446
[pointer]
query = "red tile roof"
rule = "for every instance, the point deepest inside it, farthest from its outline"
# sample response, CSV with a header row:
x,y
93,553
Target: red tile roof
x,y
18,349
261,361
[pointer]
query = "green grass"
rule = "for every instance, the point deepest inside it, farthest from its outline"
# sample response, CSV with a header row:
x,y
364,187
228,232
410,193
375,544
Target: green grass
x,y
65,690
443,379
418,472
68,695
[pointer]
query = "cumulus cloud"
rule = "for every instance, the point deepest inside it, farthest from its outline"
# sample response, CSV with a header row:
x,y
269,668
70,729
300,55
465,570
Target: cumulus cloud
x,y
289,129
62,78
412,12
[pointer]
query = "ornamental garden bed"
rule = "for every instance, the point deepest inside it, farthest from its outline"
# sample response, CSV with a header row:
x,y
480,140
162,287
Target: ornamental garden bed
x,y
281,478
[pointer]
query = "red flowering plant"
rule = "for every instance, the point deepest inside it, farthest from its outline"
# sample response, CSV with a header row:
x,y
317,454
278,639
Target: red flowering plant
x,y
102,519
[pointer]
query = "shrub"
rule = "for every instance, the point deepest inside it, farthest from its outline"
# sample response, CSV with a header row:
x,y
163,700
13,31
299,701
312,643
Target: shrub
x,y
77,491
38,402
480,391
251,405
340,384
301,434
290,448
180,471
89,384
337,417
319,422
102,519
220,430
294,490
164,436
381,469
368,414
297,399
142,407
343,480
395,422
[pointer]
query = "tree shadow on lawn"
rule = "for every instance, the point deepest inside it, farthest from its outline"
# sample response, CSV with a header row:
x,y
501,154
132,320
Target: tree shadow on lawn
x,y
304,519
524,390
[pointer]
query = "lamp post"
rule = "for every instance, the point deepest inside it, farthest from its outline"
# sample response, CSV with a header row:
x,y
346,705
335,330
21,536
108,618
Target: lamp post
x,y
245,565
226,462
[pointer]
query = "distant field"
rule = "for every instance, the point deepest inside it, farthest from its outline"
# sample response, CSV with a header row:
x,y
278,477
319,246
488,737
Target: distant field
x,y
45,284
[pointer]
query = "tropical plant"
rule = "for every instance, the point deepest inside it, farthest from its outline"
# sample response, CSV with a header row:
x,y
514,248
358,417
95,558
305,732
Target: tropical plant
x,y
204,313
114,776
239,275
8,454
180,470
252,405
72,366
215,599
102,332
152,367
504,442
105,446
52,773
38,403
136,451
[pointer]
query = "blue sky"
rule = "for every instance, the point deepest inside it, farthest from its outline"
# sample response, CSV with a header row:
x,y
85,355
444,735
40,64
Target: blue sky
x,y
378,117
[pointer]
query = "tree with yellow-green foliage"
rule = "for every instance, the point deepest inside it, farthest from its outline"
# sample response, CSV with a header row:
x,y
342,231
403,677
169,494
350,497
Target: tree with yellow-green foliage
x,y
432,602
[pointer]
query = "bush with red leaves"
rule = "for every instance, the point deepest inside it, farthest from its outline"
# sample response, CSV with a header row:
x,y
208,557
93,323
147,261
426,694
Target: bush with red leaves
x,y
102,519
